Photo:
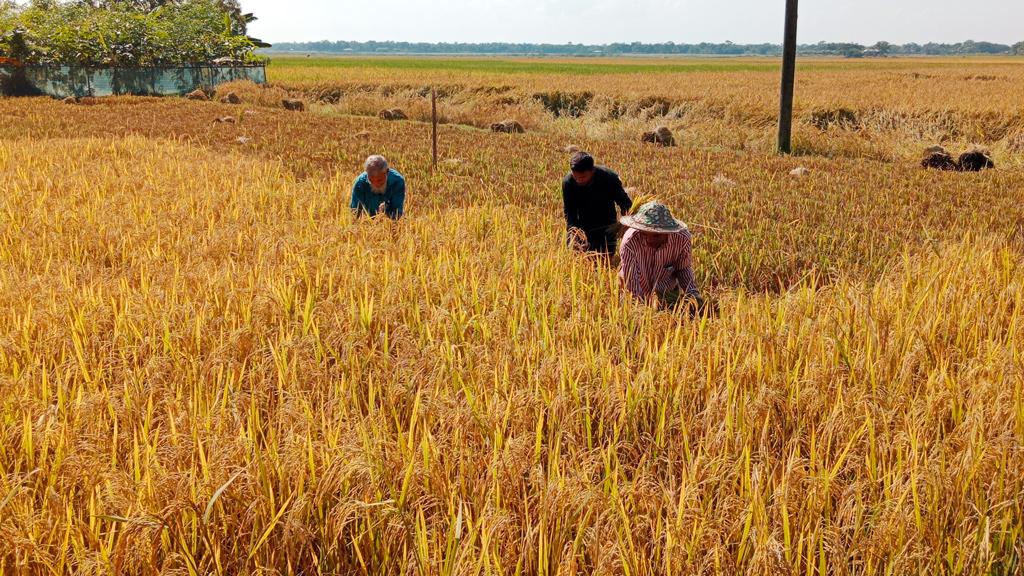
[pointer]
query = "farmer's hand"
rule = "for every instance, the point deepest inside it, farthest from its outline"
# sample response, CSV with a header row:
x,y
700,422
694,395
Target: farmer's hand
x,y
578,240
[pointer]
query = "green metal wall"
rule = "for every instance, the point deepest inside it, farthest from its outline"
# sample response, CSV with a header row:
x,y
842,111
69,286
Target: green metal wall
x,y
64,81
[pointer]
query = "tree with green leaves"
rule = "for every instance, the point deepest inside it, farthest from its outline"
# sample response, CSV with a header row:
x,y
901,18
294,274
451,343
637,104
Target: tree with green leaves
x,y
882,48
239,20
128,33
8,24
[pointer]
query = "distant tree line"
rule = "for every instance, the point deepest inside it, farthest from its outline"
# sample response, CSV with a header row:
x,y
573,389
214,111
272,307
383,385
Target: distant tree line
x,y
879,49
125,32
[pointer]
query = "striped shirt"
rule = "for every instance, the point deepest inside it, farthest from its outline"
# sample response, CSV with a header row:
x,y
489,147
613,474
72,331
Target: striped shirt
x,y
645,270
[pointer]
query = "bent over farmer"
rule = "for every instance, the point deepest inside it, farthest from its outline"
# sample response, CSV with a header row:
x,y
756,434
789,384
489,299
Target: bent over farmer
x,y
657,259
378,188
590,194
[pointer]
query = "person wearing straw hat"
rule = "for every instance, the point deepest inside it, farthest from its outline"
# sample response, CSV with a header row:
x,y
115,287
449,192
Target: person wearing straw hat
x,y
657,258
379,188
590,194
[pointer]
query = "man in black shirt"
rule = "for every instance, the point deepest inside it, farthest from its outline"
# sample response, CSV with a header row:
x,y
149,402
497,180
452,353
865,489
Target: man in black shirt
x,y
590,194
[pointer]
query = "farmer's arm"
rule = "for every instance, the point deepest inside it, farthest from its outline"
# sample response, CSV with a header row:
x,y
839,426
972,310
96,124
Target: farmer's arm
x,y
620,196
569,204
631,275
684,267
396,203
575,237
356,204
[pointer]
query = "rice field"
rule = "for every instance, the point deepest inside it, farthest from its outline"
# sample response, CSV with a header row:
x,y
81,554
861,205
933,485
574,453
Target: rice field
x,y
207,366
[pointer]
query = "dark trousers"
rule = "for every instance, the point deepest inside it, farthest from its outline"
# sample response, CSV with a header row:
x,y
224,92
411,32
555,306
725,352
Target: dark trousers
x,y
601,242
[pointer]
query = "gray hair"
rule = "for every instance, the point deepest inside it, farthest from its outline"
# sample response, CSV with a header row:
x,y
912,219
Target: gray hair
x,y
376,164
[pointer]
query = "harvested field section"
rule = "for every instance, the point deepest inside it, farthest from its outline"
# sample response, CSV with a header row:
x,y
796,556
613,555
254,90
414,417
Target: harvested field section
x,y
893,105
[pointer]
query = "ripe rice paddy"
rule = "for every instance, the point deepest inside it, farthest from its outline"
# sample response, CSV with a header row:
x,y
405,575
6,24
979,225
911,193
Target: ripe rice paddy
x,y
208,366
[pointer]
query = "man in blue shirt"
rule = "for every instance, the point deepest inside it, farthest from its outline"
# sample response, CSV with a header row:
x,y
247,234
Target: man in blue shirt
x,y
378,188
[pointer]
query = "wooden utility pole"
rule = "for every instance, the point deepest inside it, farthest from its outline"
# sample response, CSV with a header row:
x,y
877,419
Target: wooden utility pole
x,y
433,124
788,79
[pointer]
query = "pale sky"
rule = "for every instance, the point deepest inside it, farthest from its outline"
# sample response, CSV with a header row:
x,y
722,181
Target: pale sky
x,y
605,21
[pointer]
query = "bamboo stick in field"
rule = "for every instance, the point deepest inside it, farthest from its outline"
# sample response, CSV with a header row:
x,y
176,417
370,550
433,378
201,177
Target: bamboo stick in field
x,y
433,125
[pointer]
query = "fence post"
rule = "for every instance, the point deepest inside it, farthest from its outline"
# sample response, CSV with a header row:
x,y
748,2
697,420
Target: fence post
x,y
788,79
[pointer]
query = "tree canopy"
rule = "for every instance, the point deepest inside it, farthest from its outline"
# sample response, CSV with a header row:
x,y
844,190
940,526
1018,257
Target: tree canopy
x,y
126,32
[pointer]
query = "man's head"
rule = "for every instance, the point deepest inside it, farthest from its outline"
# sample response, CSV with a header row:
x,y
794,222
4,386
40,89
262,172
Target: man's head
x,y
377,173
582,166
